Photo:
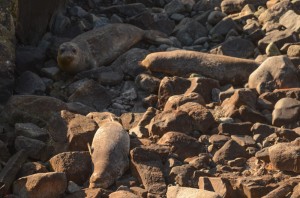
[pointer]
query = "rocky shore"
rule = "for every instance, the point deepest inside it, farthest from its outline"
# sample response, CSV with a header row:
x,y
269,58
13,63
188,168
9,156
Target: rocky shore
x,y
209,108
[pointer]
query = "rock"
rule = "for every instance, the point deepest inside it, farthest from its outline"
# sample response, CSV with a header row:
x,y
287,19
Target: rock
x,y
128,62
293,51
34,148
30,168
81,131
177,100
31,130
73,187
9,172
218,185
223,27
272,50
182,63
182,145
92,94
76,165
34,109
39,14
283,156
188,30
141,192
109,151
244,140
130,120
181,192
172,120
203,120
183,175
236,47
274,13
4,152
122,193
37,185
286,111
178,6
280,191
279,38
229,151
215,16
147,82
148,168
290,20
275,72
89,192
126,10
217,141
243,128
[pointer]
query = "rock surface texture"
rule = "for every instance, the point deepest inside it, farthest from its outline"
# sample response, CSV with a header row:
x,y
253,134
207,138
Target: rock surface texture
x,y
150,99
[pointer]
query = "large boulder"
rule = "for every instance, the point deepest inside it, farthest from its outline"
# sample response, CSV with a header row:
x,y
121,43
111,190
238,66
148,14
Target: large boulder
x,y
274,73
286,112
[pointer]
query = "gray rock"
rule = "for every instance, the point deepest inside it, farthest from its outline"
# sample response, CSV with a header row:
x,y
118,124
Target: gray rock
x,y
215,17
34,148
78,11
147,82
189,30
290,20
31,130
223,27
286,112
29,83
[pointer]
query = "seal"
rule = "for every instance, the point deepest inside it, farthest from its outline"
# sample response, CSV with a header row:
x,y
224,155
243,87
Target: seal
x,y
182,63
109,151
101,46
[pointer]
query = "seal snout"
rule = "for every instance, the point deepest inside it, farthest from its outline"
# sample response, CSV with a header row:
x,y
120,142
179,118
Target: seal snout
x,y
67,56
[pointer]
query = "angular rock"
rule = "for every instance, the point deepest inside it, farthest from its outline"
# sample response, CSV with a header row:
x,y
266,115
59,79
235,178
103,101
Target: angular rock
x,y
148,168
223,27
9,172
147,82
229,151
203,119
182,192
188,30
35,109
245,140
172,120
177,100
38,185
284,156
183,175
182,145
286,111
236,47
81,131
30,168
235,128
92,94
122,193
76,165
274,73
34,148
293,51
30,83
31,130
90,192
290,20
216,184
279,38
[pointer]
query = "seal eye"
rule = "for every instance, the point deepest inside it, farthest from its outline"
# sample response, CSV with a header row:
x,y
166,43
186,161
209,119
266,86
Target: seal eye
x,y
62,50
74,50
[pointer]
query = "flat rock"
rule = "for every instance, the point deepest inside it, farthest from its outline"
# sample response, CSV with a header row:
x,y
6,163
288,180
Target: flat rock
x,y
182,192
38,185
177,100
276,72
76,165
122,194
218,185
148,168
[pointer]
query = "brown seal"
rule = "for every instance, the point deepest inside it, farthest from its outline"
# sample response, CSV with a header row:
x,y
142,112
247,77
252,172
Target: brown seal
x,y
225,69
101,46
110,150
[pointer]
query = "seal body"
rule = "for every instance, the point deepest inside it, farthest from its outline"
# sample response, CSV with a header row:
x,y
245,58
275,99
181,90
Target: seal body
x,y
110,150
225,69
97,47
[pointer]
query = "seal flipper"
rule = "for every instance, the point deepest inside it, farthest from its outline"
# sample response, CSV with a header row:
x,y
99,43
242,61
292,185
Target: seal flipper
x,y
157,37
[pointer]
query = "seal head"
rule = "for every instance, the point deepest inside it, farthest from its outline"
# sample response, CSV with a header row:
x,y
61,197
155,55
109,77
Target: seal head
x,y
71,58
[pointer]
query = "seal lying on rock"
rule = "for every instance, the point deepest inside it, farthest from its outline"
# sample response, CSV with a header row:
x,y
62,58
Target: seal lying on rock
x,y
103,45
225,69
110,150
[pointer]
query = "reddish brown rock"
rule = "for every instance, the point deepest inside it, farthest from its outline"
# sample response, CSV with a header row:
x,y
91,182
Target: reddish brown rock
x,y
31,168
183,192
177,100
182,145
123,194
76,165
130,120
90,193
216,184
102,117
147,167
242,128
81,131
172,120
229,151
46,185
284,156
